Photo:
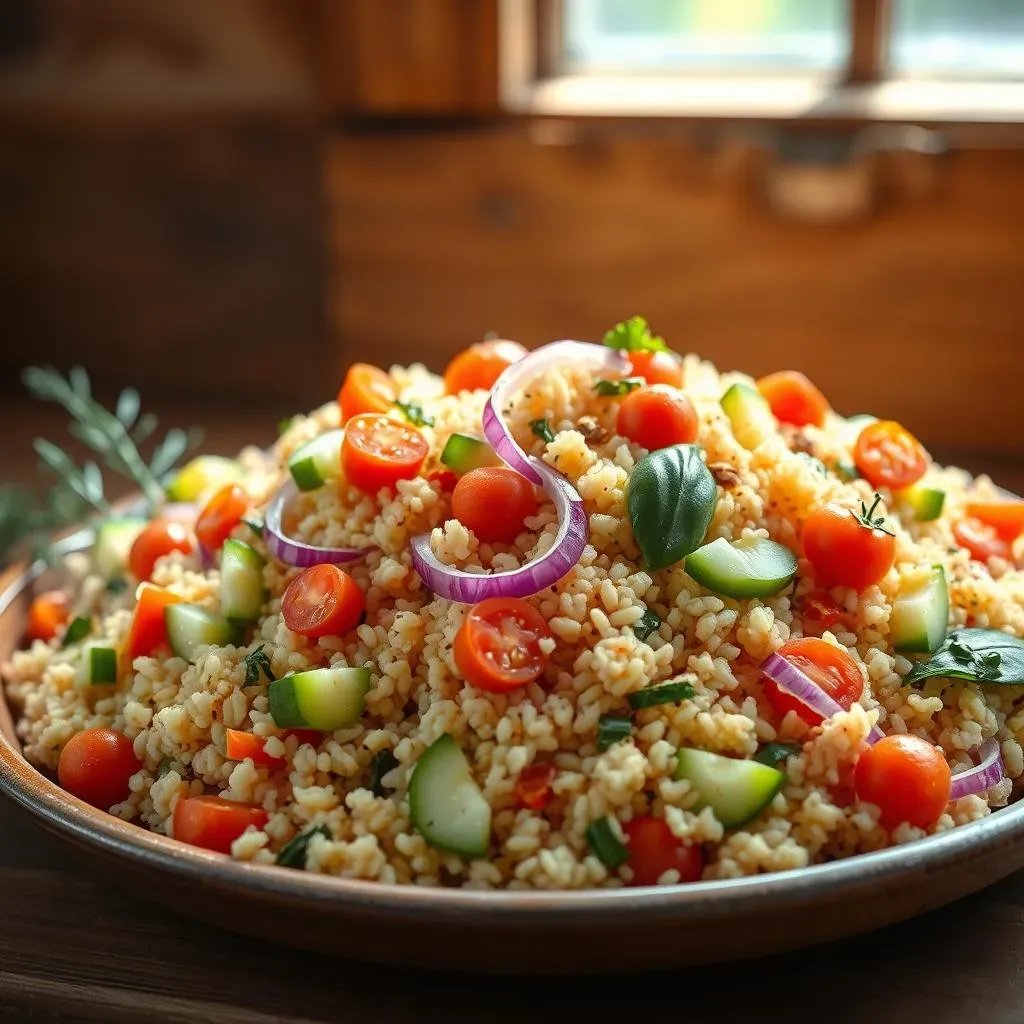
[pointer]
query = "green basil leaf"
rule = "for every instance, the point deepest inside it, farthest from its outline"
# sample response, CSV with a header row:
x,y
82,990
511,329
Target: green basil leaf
x,y
614,388
634,335
980,655
671,498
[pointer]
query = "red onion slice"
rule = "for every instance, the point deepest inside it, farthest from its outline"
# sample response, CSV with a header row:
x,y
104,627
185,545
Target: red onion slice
x,y
294,552
808,692
984,775
581,354
535,576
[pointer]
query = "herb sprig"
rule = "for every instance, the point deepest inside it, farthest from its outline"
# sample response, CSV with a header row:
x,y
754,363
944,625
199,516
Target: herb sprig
x,y
867,518
634,335
414,413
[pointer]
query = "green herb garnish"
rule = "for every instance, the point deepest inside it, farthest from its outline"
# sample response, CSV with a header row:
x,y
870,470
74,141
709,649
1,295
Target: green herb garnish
x,y
772,753
611,729
283,425
634,335
607,847
255,523
661,693
867,518
980,655
647,624
612,388
383,762
257,661
293,853
414,413
845,470
117,585
542,429
78,629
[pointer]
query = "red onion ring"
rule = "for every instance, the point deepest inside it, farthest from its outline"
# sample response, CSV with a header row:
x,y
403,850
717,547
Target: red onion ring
x,y
294,552
529,579
984,775
584,355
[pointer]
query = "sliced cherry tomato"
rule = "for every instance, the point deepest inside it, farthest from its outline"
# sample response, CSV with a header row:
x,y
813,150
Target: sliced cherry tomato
x,y
533,787
240,745
322,600
847,548
657,367
907,777
47,613
657,416
497,648
148,629
981,540
95,765
888,455
794,399
654,849
213,822
366,388
220,515
1005,517
494,502
157,538
480,365
378,451
819,611
830,667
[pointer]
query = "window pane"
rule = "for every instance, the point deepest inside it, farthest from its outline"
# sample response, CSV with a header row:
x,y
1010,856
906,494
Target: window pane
x,y
978,37
705,34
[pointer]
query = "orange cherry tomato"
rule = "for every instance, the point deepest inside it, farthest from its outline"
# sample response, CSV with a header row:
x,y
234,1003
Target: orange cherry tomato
x,y
819,611
480,365
981,540
656,417
654,849
213,822
497,648
220,515
888,455
794,399
366,388
47,613
148,629
846,548
378,451
241,745
907,777
657,367
533,787
830,667
158,538
95,765
493,502
322,600
1006,517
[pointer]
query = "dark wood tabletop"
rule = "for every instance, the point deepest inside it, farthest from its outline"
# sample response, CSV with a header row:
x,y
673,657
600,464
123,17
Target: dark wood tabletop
x,y
73,947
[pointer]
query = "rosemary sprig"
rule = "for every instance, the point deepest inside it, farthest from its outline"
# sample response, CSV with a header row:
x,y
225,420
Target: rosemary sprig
x,y
867,518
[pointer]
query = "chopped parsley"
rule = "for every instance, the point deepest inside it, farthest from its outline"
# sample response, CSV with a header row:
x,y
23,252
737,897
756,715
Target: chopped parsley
x,y
293,853
611,729
542,429
383,762
257,661
414,413
647,624
634,335
80,628
610,388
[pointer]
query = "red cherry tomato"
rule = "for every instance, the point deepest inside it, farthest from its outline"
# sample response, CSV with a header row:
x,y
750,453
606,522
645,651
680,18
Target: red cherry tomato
x,y
213,822
95,765
158,538
494,502
819,611
907,777
653,850
322,600
366,389
846,548
241,745
533,787
480,365
378,451
47,613
657,367
657,417
831,668
497,648
981,540
794,399
220,515
887,455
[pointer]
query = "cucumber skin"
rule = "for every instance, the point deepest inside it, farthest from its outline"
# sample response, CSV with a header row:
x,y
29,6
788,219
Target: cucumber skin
x,y
99,664
303,462
712,581
927,502
199,475
284,704
759,769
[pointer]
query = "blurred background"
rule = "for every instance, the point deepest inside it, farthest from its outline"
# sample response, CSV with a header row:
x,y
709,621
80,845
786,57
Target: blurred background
x,y
224,204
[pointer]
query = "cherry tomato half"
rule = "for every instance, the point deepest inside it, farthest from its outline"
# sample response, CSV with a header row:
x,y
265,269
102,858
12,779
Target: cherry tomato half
x,y
158,538
494,502
95,765
657,367
47,613
213,822
148,628
907,777
366,388
480,365
1006,517
497,648
830,667
654,849
888,455
322,600
981,540
819,611
846,548
220,515
533,787
657,417
378,451
794,399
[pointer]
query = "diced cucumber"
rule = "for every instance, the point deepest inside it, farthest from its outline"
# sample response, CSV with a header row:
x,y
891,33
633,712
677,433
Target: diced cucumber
x,y
464,453
920,614
190,627
317,461
925,503
98,666
750,415
749,567
202,475
736,790
241,581
322,698
445,803
114,539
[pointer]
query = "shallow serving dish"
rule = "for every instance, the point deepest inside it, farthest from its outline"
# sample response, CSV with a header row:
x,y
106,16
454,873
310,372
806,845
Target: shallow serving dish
x,y
603,930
